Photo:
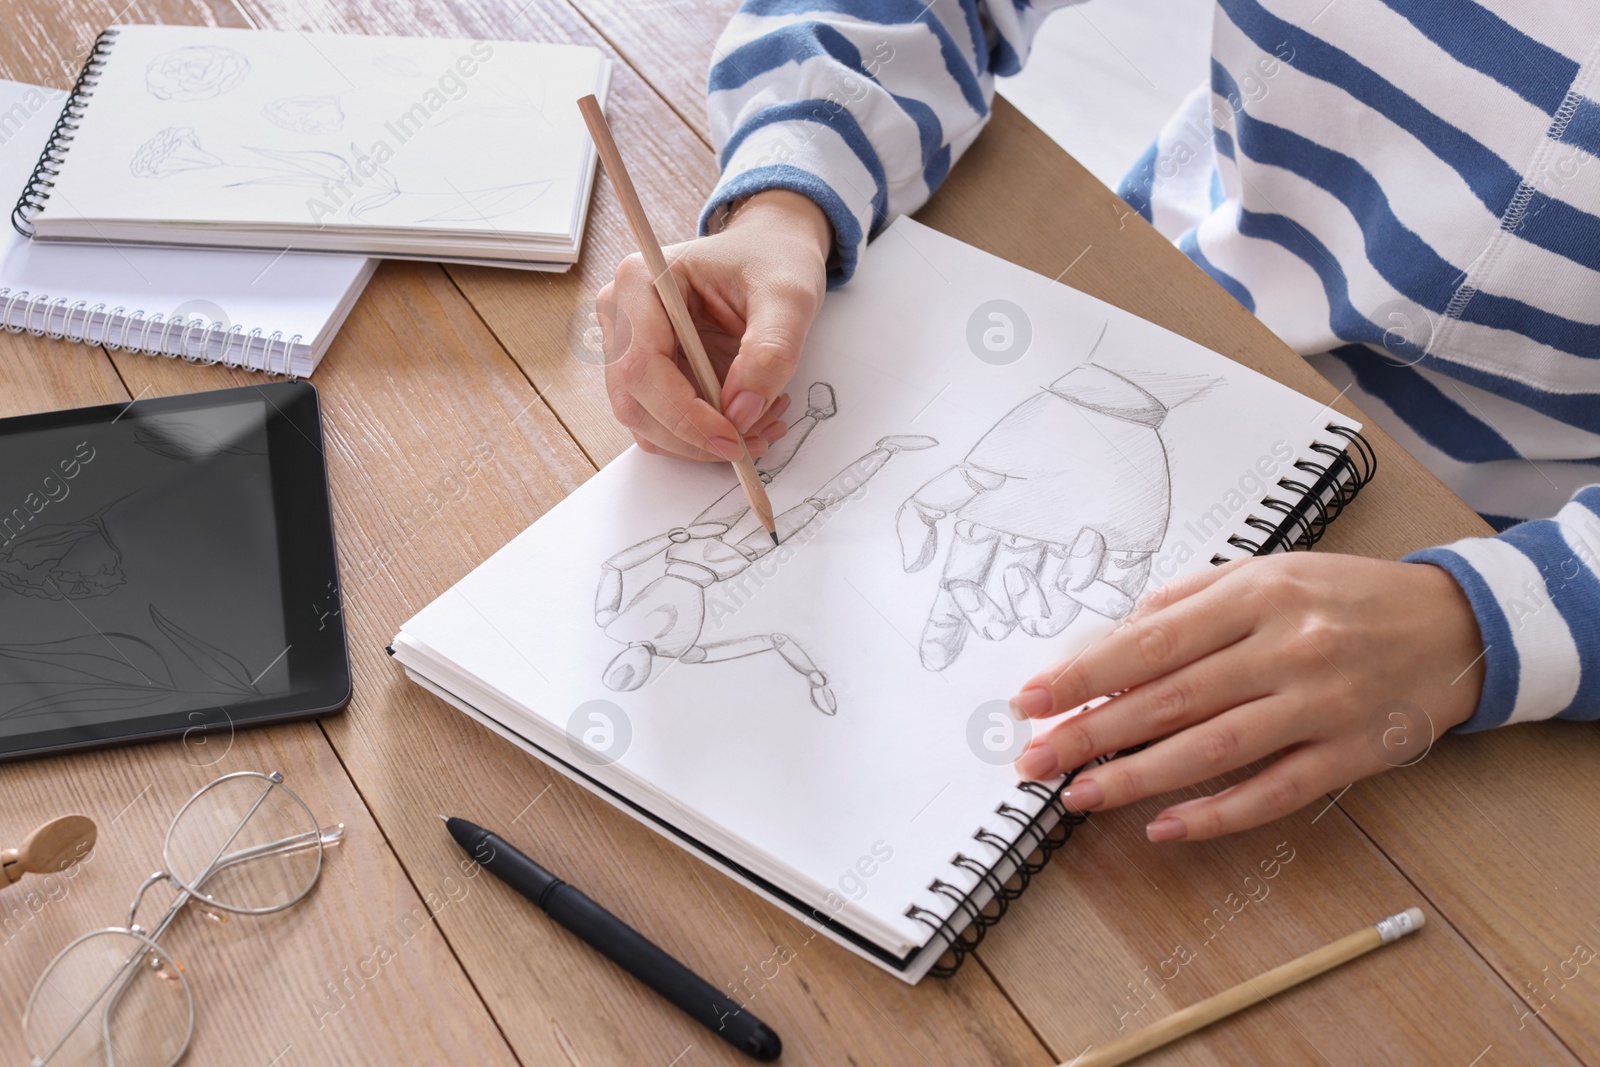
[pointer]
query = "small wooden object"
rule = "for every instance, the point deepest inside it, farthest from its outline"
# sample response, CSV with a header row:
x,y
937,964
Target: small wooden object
x,y
1251,991
55,846
671,299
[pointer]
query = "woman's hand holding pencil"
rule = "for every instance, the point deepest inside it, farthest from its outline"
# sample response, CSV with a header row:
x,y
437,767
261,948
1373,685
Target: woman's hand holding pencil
x,y
752,290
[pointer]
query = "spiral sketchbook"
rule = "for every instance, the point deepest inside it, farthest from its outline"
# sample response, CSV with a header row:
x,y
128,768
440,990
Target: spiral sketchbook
x,y
437,149
983,471
266,311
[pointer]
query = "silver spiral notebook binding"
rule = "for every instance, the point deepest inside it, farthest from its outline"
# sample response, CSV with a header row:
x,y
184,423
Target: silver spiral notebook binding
x,y
190,338
1312,497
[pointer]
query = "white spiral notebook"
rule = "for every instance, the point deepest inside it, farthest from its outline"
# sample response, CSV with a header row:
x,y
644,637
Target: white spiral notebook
x,y
267,311
983,472
404,147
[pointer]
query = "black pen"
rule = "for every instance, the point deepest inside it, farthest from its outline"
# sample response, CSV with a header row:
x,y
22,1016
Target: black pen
x,y
621,943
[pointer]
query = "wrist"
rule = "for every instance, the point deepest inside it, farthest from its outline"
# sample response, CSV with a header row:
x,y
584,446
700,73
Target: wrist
x,y
1457,623
787,212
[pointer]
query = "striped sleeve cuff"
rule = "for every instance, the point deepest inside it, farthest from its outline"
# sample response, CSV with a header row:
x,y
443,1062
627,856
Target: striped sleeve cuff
x,y
814,159
1536,594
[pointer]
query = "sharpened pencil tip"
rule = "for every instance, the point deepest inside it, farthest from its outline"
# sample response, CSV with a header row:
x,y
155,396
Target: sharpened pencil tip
x,y
443,817
775,538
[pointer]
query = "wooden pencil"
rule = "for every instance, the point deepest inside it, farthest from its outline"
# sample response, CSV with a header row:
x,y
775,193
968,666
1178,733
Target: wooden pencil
x,y
667,287
1251,991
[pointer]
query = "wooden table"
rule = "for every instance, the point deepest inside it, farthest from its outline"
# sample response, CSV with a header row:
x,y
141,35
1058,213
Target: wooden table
x,y
400,958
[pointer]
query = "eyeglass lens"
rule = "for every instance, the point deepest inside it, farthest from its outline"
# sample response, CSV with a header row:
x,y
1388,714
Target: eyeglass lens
x,y
245,844
112,999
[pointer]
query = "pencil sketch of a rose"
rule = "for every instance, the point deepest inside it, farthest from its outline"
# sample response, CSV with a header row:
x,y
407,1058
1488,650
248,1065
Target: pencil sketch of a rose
x,y
198,72
73,559
306,114
172,151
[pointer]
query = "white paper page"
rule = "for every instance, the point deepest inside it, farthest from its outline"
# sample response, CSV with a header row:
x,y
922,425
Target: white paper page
x,y
291,294
194,124
901,766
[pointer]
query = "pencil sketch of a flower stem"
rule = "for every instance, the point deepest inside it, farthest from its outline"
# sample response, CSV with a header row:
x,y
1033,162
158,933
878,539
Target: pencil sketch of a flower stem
x,y
510,106
309,168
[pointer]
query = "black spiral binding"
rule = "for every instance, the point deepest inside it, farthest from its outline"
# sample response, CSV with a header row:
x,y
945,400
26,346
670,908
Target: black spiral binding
x,y
1026,855
1303,522
1327,490
37,191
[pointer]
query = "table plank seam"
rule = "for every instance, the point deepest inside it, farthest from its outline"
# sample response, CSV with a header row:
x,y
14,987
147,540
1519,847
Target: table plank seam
x,y
632,65
126,388
422,898
1055,1056
521,370
1443,916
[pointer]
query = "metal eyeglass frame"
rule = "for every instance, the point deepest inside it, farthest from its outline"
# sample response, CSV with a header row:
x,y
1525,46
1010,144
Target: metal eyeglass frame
x,y
315,838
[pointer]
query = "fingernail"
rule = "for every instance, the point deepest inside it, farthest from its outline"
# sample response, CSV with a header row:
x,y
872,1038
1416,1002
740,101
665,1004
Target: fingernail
x,y
726,447
775,431
1166,828
1084,796
756,445
780,405
1038,762
744,410
1031,703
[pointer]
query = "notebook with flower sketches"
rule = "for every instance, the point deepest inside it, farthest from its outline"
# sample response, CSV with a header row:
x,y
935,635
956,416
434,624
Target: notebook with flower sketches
x,y
269,311
440,149
984,471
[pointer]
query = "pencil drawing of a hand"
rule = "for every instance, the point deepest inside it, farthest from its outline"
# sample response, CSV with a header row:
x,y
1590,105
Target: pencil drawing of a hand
x,y
652,596
1058,508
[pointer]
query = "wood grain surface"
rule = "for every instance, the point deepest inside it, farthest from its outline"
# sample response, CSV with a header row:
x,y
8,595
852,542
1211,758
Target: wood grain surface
x,y
460,404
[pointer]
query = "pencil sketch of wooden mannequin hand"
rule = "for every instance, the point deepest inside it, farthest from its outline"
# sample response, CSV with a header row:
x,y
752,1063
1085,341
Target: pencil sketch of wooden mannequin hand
x,y
1058,507
665,619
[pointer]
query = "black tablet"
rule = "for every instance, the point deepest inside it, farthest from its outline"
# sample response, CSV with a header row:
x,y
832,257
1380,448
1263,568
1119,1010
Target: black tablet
x,y
167,569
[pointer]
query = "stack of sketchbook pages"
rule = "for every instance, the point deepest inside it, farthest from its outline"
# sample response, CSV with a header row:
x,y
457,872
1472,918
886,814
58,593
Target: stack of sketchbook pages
x,y
433,149
266,311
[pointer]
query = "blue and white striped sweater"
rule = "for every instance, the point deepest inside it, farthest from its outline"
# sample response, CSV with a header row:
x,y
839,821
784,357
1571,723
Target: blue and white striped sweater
x,y
1405,191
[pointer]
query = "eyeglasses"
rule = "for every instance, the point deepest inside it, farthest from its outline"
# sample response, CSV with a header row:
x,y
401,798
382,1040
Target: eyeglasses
x,y
244,844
